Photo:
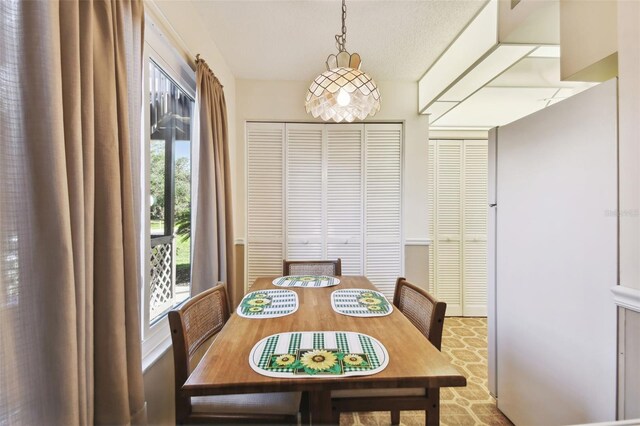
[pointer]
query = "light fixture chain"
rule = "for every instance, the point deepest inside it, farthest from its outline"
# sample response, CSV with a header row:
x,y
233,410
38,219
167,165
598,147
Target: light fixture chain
x,y
341,39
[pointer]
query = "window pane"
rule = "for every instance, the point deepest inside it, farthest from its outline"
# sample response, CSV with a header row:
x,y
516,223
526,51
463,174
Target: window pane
x,y
157,186
183,218
170,193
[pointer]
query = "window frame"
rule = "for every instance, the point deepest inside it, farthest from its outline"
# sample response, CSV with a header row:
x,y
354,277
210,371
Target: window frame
x,y
156,337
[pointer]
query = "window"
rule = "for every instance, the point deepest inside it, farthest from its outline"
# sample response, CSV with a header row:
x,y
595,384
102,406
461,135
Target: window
x,y
169,192
168,154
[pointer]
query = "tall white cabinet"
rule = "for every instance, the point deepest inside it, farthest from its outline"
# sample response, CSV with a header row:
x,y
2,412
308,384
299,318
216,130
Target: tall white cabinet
x,y
325,191
457,190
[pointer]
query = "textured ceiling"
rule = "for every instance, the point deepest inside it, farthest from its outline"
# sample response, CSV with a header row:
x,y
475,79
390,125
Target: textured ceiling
x,y
290,40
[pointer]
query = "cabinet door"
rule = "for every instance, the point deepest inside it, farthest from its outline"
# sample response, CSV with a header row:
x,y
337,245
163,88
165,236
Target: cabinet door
x,y
304,208
448,225
265,185
344,198
474,228
383,200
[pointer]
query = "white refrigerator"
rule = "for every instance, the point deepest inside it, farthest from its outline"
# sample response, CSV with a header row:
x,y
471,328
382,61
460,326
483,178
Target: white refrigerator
x,y
552,261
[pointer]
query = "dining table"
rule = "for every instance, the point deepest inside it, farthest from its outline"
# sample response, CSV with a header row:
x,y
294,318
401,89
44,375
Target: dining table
x,y
413,361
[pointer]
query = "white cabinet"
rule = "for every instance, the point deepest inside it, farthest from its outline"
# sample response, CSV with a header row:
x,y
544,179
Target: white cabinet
x,y
331,191
458,225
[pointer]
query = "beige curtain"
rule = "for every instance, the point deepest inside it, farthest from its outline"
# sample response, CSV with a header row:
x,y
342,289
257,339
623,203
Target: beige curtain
x,y
70,107
213,230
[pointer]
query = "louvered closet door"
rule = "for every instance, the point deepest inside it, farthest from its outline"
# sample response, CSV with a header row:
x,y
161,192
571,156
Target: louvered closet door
x,y
448,225
265,186
474,287
304,191
383,199
344,198
431,186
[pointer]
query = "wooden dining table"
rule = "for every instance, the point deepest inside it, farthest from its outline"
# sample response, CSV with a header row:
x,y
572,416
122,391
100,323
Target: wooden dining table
x,y
413,361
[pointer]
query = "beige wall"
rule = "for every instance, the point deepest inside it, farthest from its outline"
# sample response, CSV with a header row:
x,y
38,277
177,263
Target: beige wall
x,y
629,140
588,40
416,261
159,391
630,382
284,101
629,190
458,134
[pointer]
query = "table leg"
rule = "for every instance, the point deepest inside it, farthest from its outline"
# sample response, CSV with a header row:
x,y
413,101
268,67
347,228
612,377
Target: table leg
x,y
320,402
433,410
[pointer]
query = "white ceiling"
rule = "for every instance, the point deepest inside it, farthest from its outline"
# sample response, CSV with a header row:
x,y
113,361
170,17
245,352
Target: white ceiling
x,y
290,40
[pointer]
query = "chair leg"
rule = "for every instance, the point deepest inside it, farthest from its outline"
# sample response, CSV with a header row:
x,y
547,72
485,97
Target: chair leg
x,y
433,410
395,417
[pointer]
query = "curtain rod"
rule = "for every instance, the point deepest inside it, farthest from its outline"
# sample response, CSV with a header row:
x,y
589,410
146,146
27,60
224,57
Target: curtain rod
x,y
198,60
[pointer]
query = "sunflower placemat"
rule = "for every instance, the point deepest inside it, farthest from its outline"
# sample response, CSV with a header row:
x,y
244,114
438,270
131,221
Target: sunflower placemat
x,y
268,304
306,281
360,302
318,354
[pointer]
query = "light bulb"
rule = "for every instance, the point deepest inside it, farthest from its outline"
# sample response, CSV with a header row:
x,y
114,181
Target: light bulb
x,y
344,98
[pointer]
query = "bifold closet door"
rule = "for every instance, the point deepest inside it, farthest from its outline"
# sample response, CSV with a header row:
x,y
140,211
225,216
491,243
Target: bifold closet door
x,y
383,201
431,190
474,224
265,198
325,191
304,191
344,195
448,225
458,225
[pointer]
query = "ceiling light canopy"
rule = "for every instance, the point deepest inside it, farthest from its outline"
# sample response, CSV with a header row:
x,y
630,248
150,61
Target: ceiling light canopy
x,y
343,92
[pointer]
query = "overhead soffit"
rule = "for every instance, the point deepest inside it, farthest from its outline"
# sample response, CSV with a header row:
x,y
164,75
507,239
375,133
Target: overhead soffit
x,y
506,81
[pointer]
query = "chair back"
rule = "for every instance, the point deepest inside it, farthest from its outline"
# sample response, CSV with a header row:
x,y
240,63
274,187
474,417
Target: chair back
x,y
312,267
422,309
192,326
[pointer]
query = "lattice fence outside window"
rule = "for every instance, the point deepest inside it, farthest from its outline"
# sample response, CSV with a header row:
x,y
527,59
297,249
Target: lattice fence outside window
x,y
162,276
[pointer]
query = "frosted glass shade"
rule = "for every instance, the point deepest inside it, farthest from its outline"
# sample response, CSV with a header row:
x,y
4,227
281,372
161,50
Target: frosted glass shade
x,y
322,97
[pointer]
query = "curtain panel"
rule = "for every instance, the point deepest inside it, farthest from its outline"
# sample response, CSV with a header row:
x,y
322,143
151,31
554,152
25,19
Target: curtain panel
x,y
70,108
213,231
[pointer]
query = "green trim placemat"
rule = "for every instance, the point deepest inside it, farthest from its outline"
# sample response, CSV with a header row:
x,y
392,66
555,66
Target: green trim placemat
x,y
360,302
318,354
306,281
268,304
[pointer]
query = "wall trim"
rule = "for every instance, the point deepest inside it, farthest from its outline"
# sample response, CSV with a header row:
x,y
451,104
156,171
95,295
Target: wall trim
x,y
417,241
239,241
626,297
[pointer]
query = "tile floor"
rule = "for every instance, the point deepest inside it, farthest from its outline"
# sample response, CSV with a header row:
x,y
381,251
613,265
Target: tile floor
x,y
464,342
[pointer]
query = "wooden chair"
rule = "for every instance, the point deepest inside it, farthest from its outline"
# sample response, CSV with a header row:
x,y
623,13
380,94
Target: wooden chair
x,y
194,326
427,314
312,267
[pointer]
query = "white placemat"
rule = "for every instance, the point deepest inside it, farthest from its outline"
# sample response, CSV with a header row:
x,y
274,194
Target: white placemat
x,y
318,354
306,281
360,302
268,304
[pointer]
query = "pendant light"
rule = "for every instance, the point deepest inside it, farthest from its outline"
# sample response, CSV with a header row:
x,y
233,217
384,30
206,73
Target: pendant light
x,y
343,92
